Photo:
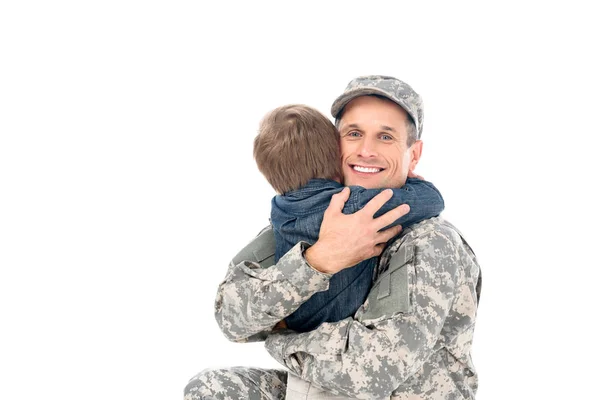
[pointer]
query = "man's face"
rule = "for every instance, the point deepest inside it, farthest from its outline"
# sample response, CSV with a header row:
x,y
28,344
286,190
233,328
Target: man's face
x,y
373,144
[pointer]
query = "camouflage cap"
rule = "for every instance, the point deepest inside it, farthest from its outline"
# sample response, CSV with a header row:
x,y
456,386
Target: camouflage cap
x,y
394,89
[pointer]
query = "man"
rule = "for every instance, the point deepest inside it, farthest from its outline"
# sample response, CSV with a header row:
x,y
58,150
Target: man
x,y
411,339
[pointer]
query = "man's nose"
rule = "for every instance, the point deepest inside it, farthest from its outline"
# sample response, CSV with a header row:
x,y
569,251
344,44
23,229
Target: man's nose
x,y
367,148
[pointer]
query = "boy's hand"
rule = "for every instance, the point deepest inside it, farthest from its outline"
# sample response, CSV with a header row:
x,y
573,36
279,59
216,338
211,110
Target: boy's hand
x,y
280,325
346,240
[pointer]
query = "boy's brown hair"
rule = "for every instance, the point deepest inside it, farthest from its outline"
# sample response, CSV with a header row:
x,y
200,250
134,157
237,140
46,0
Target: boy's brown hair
x,y
296,143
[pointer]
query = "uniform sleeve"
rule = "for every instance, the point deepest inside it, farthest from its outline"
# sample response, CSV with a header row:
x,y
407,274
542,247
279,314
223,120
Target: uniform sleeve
x,y
388,340
424,199
254,297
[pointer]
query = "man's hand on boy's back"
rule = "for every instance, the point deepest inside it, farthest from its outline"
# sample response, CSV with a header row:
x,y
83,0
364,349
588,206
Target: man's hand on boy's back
x,y
347,239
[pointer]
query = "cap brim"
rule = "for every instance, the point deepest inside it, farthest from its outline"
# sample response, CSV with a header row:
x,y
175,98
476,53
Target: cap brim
x,y
341,102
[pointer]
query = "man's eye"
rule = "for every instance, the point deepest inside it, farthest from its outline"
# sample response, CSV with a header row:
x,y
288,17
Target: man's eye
x,y
354,134
386,137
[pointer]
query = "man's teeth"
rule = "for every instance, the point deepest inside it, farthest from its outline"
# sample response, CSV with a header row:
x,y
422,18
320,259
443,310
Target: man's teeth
x,y
365,169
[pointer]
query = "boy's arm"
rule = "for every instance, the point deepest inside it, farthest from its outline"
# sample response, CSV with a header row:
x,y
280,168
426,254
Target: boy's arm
x,y
423,198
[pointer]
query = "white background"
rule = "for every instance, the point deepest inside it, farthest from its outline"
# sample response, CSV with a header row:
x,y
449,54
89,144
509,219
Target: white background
x,y
127,179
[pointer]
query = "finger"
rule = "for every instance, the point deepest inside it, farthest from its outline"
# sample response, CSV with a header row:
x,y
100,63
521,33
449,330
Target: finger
x,y
376,202
338,200
386,235
378,249
391,216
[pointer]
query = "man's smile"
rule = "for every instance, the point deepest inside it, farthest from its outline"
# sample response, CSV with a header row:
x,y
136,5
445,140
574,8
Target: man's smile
x,y
365,170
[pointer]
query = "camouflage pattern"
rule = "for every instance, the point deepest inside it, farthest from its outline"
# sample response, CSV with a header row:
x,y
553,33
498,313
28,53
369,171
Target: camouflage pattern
x,y
411,339
420,351
394,89
237,383
253,297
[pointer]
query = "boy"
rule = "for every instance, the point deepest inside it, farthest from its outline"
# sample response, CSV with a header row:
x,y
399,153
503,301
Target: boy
x,y
297,149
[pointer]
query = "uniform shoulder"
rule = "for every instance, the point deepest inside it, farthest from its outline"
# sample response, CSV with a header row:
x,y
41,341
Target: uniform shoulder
x,y
260,250
442,234
436,226
434,232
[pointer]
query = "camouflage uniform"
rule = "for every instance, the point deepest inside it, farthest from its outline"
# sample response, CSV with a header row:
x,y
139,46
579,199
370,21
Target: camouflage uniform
x,y
237,383
410,340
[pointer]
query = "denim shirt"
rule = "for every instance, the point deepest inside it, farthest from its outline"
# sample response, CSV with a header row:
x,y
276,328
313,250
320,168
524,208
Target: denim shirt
x,y
297,215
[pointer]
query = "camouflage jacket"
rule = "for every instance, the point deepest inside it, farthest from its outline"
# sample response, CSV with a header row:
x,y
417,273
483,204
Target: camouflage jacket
x,y
411,339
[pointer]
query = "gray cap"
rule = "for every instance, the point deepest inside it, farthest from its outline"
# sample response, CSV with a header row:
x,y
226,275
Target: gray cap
x,y
394,89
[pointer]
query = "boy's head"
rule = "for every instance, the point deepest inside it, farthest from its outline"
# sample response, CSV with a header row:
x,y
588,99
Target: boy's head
x,y
296,143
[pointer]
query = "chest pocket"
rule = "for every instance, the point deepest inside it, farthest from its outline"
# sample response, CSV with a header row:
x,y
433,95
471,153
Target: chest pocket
x,y
391,292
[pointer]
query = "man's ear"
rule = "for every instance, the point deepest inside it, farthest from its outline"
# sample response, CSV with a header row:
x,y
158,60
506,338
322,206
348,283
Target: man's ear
x,y
415,154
